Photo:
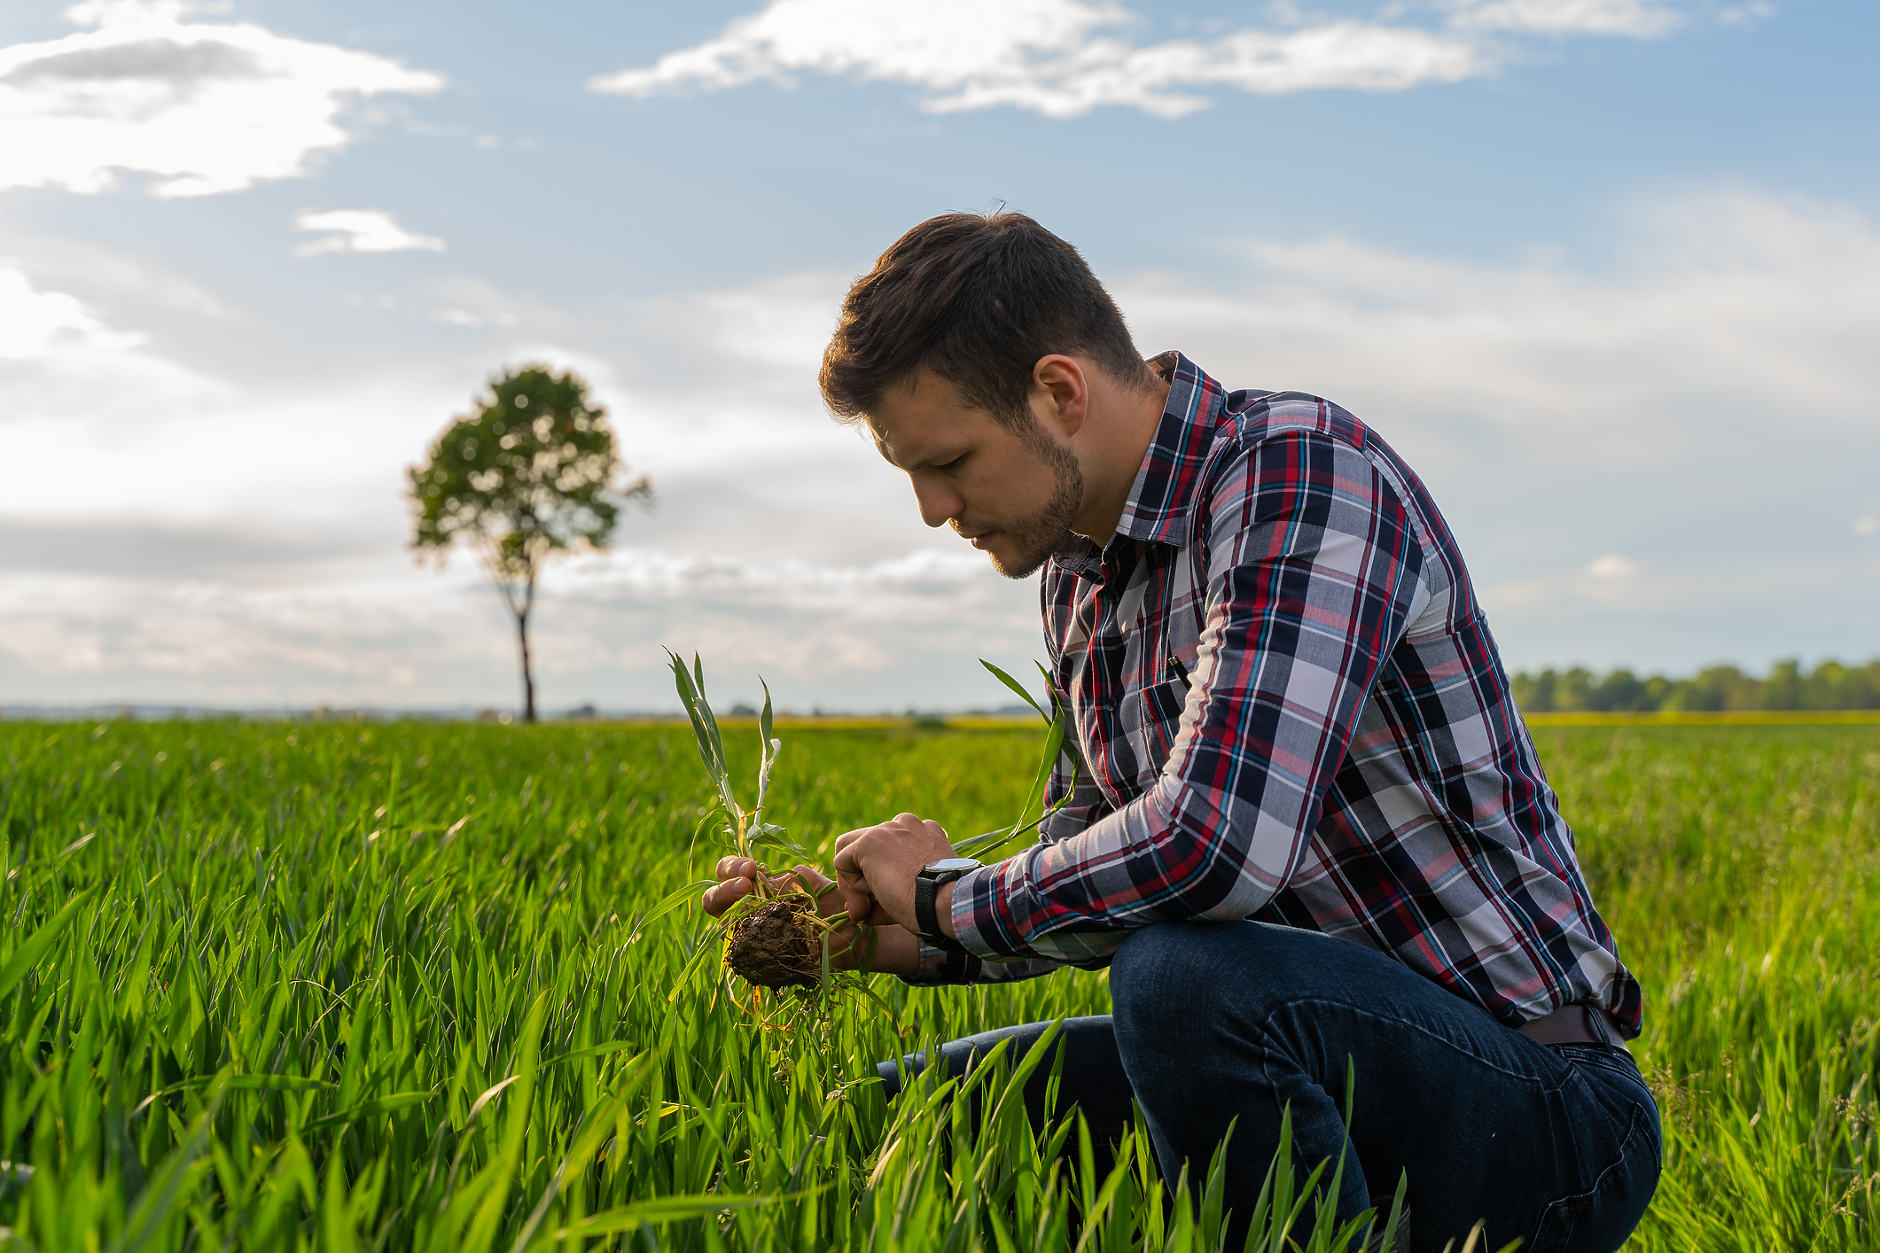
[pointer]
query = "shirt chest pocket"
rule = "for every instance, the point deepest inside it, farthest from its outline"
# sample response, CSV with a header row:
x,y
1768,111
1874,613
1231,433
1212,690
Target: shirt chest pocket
x,y
1148,717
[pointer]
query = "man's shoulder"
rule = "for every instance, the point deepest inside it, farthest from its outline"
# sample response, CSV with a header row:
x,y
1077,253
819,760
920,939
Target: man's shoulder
x,y
1251,419
1251,416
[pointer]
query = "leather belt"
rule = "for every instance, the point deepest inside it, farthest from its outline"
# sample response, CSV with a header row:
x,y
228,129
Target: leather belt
x,y
1579,1023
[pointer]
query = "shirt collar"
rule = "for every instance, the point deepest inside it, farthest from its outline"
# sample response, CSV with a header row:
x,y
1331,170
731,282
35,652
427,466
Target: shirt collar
x,y
1157,509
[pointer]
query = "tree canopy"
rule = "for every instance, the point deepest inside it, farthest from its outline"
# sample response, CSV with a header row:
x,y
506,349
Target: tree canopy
x,y
1830,685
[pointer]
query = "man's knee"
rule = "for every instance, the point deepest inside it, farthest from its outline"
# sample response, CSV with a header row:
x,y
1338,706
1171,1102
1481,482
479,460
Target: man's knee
x,y
1169,969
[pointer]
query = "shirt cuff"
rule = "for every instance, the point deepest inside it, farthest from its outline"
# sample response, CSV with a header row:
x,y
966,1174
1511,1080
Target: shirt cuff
x,y
937,966
967,915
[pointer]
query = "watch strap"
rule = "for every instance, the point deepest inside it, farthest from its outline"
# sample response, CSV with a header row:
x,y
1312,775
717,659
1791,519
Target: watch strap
x,y
926,917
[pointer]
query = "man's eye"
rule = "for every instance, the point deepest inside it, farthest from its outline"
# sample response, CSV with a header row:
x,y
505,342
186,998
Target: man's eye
x,y
951,465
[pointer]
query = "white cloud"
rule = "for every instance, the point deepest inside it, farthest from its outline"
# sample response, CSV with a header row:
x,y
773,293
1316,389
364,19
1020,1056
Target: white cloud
x,y
1721,309
1637,19
1867,525
207,108
359,230
1701,401
103,277
34,323
382,631
1745,16
76,390
452,316
1613,567
1057,57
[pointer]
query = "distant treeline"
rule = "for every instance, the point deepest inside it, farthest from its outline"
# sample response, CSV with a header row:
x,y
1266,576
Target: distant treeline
x,y
1829,685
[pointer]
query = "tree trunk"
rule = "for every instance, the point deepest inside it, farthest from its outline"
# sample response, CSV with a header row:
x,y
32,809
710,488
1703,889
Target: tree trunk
x,y
521,604
528,675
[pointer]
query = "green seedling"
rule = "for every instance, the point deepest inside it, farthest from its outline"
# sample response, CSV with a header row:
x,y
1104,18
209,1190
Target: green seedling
x,y
1057,742
777,937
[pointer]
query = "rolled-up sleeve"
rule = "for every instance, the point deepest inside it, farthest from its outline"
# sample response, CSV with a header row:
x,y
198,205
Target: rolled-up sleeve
x,y
1312,565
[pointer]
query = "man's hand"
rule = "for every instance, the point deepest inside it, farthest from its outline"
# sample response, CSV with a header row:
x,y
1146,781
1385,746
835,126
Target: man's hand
x,y
737,879
896,951
875,869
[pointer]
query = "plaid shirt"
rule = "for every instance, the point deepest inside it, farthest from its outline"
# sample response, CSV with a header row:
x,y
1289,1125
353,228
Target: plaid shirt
x,y
1294,712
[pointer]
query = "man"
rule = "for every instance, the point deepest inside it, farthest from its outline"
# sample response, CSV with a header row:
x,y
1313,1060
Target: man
x,y
1314,830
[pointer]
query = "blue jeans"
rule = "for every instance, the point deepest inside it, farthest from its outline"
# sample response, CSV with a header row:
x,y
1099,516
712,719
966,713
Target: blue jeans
x,y
1558,1145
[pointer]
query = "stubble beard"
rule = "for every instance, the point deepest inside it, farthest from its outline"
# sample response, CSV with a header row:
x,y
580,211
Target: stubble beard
x,y
1037,535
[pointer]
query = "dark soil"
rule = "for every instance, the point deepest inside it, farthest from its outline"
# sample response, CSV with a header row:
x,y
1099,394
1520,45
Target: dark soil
x,y
774,947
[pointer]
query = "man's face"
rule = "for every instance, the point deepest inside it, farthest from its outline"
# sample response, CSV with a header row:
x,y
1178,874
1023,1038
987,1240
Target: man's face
x,y
1014,497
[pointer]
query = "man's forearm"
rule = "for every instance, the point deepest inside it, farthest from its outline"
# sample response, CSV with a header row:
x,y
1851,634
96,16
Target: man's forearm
x,y
896,953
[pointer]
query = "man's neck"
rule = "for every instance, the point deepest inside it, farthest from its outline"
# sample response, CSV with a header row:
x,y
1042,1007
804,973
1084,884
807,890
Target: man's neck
x,y
1124,423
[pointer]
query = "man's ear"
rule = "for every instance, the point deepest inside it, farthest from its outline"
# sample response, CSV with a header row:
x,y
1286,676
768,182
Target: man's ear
x,y
1060,393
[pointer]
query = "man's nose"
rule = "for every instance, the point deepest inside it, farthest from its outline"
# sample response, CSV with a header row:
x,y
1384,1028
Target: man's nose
x,y
939,503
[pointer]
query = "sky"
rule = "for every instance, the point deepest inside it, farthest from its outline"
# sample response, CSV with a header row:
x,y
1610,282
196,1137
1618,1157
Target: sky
x,y
1605,272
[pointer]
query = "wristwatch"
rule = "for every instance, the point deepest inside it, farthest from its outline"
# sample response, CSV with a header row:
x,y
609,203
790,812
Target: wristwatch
x,y
926,887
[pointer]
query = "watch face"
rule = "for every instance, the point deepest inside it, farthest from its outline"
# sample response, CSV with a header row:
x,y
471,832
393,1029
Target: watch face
x,y
949,863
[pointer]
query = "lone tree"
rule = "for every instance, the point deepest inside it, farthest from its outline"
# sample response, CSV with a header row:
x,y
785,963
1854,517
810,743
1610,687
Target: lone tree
x,y
528,475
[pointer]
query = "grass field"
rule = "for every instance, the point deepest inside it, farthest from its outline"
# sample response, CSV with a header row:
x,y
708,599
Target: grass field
x,y
339,986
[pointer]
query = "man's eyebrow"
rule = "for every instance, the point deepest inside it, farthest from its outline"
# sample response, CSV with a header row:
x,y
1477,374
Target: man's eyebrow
x,y
881,446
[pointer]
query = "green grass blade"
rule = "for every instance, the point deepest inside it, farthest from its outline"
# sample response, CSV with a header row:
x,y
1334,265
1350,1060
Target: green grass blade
x,y
166,1186
1016,686
28,954
593,1131
482,1233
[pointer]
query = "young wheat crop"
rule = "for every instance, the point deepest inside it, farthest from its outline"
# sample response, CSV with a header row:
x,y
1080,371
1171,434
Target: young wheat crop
x,y
299,986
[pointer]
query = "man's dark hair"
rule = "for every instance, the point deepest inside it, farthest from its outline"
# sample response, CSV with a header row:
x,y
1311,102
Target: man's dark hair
x,y
977,299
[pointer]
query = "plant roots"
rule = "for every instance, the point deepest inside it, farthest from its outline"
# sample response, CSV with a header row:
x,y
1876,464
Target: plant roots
x,y
775,945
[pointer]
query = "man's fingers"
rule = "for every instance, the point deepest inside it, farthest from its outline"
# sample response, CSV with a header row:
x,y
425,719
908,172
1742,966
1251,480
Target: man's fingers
x,y
809,876
736,877
859,899
734,867
864,908
816,884
728,893
856,897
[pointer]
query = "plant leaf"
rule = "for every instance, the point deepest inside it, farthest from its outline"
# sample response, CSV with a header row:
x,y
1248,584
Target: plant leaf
x,y
711,745
36,945
159,1197
596,1127
665,1209
1016,686
387,1104
1053,742
667,904
763,719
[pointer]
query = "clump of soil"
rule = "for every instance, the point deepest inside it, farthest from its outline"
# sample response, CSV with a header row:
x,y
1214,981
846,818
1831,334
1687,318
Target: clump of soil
x,y
774,946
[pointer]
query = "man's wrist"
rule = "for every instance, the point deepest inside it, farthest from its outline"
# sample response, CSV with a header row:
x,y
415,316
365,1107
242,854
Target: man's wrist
x,y
933,899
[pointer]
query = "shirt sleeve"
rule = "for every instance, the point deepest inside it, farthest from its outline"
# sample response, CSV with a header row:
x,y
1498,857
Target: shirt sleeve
x,y
1085,804
937,966
1312,564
